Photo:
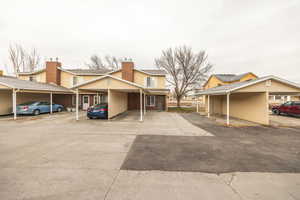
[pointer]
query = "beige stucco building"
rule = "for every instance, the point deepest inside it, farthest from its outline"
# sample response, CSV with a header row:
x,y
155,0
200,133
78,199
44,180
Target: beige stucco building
x,y
125,89
248,100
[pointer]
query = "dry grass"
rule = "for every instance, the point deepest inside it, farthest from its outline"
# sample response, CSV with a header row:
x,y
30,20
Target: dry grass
x,y
182,109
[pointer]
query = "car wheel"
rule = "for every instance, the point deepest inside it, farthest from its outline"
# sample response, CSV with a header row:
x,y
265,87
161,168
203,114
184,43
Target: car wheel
x,y
59,109
36,112
276,112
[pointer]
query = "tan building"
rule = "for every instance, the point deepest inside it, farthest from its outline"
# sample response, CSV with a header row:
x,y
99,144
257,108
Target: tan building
x,y
216,80
98,86
248,100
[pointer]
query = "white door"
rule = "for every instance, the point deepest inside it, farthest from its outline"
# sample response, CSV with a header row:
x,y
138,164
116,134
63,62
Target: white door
x,y
85,102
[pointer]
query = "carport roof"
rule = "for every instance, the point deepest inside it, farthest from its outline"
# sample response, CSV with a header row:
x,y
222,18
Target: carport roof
x,y
14,83
224,89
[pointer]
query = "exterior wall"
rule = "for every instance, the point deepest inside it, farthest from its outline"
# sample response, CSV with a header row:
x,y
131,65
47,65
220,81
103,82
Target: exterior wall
x,y
40,77
108,83
251,107
295,98
140,78
134,102
5,102
249,76
248,106
117,103
117,74
214,82
276,87
88,78
23,97
63,99
66,79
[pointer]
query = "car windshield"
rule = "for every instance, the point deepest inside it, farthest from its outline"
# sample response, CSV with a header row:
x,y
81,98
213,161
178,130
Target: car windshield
x,y
288,103
27,103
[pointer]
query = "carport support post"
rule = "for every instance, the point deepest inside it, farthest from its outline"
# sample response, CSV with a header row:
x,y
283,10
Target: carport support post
x,y
208,107
228,107
51,102
14,95
141,105
77,104
144,103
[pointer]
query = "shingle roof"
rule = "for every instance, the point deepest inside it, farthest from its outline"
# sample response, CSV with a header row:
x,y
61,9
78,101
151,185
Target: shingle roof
x,y
235,86
13,82
230,77
88,71
154,71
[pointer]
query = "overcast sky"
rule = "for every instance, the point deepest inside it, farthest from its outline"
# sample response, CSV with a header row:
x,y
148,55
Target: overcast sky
x,y
261,36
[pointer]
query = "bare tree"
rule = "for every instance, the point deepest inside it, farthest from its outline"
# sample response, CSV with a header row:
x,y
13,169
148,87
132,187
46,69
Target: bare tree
x,y
95,62
32,60
110,62
17,57
186,70
21,60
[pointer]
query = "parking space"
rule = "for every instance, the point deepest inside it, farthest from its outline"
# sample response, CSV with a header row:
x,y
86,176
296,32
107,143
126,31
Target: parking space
x,y
284,120
56,157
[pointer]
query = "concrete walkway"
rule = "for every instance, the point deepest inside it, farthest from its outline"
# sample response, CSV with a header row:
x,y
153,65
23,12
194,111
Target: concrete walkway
x,y
54,157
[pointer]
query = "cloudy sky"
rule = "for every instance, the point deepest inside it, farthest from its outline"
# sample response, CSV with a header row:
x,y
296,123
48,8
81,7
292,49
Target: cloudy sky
x,y
261,36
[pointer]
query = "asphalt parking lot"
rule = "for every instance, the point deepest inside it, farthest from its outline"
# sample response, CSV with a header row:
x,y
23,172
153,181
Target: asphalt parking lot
x,y
242,149
55,157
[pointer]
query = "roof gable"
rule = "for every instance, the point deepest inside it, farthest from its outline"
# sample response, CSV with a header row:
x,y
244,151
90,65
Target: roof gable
x,y
239,85
108,85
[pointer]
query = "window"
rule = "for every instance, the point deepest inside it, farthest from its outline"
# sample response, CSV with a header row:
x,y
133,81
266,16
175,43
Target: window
x,y
102,98
277,97
75,80
32,78
44,104
150,82
150,100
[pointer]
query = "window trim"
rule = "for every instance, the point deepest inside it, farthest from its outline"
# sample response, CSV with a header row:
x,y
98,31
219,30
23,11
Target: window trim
x,y
148,103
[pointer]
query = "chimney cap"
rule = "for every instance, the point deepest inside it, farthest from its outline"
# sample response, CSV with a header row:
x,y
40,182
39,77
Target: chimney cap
x,y
127,59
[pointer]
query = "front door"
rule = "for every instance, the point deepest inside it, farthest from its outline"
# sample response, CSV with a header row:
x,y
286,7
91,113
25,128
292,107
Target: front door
x,y
85,102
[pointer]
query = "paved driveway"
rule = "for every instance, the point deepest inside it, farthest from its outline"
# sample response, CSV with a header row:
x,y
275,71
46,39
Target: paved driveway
x,y
54,157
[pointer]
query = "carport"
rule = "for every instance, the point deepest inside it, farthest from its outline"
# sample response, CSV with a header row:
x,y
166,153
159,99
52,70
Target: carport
x,y
14,91
117,91
248,100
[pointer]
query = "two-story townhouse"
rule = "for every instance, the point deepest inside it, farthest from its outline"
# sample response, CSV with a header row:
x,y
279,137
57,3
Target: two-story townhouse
x,y
96,86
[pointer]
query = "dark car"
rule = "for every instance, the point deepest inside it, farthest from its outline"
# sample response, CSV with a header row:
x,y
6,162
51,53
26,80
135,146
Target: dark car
x,y
98,111
290,108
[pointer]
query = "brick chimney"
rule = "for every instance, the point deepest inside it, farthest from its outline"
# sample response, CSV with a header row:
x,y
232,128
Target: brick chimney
x,y
127,70
52,72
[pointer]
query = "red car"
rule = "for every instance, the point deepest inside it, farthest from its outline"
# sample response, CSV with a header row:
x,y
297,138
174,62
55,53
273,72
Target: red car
x,y
290,108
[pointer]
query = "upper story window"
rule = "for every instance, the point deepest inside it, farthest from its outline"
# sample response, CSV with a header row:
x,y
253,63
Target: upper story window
x,y
150,82
32,78
75,80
